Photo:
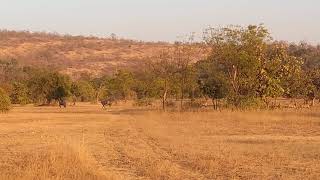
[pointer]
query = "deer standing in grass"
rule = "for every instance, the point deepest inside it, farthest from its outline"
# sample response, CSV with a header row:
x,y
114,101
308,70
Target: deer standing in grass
x,y
62,103
107,102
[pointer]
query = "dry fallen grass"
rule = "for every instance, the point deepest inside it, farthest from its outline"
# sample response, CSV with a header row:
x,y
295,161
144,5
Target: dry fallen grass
x,y
57,162
86,142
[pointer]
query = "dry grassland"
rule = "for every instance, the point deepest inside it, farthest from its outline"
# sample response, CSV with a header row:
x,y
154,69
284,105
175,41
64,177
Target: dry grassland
x,y
86,142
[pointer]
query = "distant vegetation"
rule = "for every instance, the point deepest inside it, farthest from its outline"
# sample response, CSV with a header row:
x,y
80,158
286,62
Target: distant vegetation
x,y
5,103
237,67
74,55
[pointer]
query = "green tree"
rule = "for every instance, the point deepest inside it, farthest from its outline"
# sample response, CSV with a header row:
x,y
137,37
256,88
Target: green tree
x,y
164,68
315,79
47,86
119,86
185,54
5,103
83,91
19,94
310,86
212,83
145,85
238,54
254,67
97,84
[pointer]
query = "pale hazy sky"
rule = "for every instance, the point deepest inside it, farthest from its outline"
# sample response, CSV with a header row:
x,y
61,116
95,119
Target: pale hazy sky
x,y
292,20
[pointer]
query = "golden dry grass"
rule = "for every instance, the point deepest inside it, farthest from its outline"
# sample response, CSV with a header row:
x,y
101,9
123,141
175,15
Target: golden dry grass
x,y
86,142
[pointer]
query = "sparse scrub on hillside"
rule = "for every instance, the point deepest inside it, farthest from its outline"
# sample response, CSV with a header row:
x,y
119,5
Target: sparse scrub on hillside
x,y
74,54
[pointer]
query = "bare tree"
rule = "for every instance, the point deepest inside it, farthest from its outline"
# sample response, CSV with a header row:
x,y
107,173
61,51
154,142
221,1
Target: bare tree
x,y
164,67
186,53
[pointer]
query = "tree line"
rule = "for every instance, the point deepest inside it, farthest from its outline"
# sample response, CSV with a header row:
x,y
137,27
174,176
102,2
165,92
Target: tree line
x,y
234,66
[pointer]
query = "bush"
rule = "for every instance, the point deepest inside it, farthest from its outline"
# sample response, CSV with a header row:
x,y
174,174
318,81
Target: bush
x,y
83,91
171,104
143,102
5,103
19,94
245,102
197,103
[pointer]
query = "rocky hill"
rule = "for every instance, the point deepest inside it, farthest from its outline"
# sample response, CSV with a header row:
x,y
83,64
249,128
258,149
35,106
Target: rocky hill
x,y
74,55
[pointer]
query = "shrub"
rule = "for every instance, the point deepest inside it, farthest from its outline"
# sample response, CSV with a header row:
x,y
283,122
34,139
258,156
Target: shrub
x,y
5,103
245,102
170,103
83,91
198,103
19,94
143,102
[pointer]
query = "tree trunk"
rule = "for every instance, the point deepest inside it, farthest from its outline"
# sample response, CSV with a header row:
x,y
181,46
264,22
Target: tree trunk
x,y
181,99
313,102
234,79
217,104
97,98
98,94
295,103
214,102
183,82
192,94
164,97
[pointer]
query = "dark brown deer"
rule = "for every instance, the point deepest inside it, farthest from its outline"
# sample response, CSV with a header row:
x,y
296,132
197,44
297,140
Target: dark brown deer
x,y
107,102
62,103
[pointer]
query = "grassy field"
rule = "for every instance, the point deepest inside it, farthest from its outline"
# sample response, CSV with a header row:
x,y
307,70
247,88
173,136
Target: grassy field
x,y
86,142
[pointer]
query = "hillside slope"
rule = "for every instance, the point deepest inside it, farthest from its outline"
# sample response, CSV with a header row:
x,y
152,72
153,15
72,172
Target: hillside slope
x,y
74,55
